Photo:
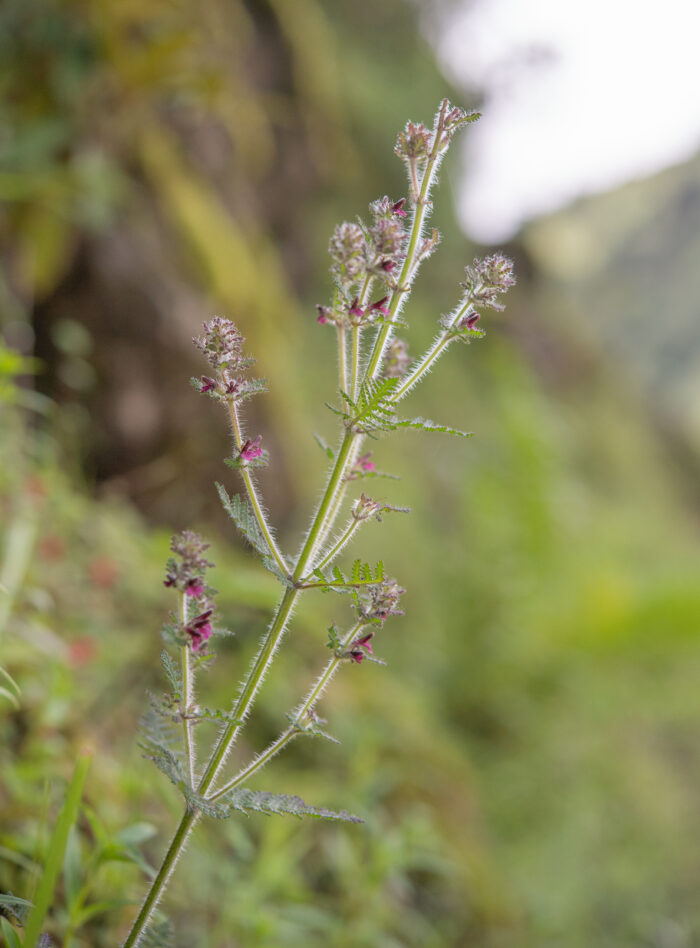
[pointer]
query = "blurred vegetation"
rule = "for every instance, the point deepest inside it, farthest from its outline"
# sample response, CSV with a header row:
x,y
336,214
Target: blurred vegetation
x,y
528,763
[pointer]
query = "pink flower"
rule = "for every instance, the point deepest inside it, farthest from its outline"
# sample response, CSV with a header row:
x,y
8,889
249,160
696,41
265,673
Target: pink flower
x,y
381,307
194,588
323,314
251,449
359,648
398,207
208,385
364,642
364,463
387,265
356,310
470,321
199,630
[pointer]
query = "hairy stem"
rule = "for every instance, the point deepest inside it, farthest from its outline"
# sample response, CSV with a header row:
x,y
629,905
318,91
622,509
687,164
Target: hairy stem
x,y
187,697
253,493
356,338
342,361
425,364
408,268
155,892
339,544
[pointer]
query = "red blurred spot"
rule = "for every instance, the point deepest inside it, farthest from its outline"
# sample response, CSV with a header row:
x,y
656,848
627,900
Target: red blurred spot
x,y
81,651
104,572
51,548
35,487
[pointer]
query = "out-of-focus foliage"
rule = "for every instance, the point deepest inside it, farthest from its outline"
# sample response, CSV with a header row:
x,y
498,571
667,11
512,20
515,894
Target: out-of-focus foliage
x,y
633,252
528,763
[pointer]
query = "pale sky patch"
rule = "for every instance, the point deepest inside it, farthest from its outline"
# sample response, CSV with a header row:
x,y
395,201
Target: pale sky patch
x,y
579,98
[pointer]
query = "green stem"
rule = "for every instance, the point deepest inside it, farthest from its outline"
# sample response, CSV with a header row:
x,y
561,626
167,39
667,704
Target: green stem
x,y
356,337
158,885
337,547
355,362
253,493
402,286
187,697
342,361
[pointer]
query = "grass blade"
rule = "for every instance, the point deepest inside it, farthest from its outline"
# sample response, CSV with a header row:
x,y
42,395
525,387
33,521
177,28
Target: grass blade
x,y
57,847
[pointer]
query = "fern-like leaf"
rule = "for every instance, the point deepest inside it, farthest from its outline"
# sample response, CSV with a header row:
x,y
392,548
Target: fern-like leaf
x,y
425,424
173,674
239,511
158,934
375,410
258,801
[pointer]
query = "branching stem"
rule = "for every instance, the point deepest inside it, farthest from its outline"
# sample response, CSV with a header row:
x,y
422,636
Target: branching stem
x,y
297,727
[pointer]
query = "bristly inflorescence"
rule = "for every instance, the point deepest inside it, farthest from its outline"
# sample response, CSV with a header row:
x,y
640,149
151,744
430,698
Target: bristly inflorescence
x,y
489,278
360,254
186,572
222,345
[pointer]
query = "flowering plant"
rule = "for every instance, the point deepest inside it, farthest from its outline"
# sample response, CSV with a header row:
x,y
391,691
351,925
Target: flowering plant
x,y
374,266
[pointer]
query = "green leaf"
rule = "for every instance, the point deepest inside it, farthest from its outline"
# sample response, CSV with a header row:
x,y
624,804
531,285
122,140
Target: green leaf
x,y
10,935
425,424
97,908
4,693
241,514
12,691
258,801
72,868
239,510
375,409
173,673
328,451
135,834
54,857
158,934
16,907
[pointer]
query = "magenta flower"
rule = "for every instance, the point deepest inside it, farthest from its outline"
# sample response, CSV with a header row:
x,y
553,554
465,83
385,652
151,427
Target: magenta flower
x,y
364,464
387,265
381,307
360,647
199,630
356,310
323,314
364,642
398,207
470,321
251,449
194,588
208,385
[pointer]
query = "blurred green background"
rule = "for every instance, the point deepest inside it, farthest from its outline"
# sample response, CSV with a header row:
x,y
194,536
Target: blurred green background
x,y
528,763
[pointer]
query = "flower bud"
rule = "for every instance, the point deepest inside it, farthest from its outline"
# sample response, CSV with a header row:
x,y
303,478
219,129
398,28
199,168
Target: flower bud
x,y
222,344
396,359
381,601
365,507
487,278
415,141
348,248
